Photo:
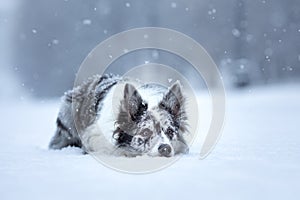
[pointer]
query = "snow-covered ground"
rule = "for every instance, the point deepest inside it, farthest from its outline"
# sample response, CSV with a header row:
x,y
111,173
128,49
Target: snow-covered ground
x,y
258,156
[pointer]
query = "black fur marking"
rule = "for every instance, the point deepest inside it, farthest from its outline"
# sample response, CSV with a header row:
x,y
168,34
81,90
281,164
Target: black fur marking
x,y
68,97
63,137
123,139
141,109
75,143
170,133
101,94
62,126
133,103
105,76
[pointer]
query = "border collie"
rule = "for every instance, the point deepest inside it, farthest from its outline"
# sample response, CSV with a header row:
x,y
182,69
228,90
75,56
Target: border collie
x,y
111,115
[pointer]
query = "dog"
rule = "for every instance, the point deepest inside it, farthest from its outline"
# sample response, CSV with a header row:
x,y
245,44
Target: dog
x,y
110,115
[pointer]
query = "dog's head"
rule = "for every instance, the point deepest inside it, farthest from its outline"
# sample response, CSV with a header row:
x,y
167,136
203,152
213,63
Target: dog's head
x,y
157,130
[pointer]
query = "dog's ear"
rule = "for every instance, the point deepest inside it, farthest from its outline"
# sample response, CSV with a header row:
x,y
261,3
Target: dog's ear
x,y
134,104
173,101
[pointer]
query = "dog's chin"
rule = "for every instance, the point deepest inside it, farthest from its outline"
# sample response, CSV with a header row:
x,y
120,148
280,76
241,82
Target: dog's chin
x,y
157,154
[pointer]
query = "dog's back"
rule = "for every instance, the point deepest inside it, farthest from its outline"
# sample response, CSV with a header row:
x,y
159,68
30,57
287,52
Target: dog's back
x,y
79,110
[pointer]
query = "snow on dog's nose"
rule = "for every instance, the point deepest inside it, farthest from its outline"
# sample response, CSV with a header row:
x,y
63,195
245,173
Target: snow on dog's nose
x,y
165,150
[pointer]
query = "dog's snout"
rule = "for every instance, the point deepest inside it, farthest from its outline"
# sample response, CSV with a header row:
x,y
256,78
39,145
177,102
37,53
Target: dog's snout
x,y
165,150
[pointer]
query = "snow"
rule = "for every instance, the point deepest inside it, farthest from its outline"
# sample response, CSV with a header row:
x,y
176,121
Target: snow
x,y
213,11
236,32
55,41
174,5
127,5
87,22
257,156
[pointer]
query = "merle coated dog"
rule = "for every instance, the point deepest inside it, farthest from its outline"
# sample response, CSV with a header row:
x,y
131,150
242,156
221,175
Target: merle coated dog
x,y
110,115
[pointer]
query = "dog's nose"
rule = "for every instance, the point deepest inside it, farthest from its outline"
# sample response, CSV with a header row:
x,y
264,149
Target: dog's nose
x,y
165,150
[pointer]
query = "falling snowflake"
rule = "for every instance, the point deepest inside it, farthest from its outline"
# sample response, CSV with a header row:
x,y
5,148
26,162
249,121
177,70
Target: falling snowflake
x,y
173,5
213,11
249,37
87,22
55,41
236,32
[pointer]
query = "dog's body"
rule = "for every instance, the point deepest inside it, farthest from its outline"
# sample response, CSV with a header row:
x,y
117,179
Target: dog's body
x,y
107,114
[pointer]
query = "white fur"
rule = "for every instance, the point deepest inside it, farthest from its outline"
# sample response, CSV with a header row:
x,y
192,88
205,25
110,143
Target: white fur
x,y
110,106
98,136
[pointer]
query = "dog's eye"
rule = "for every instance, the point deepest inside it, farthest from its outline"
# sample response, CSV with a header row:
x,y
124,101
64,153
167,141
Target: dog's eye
x,y
162,105
146,133
170,133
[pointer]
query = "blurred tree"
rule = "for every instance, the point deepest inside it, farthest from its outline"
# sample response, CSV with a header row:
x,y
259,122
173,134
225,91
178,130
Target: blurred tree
x,y
258,40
